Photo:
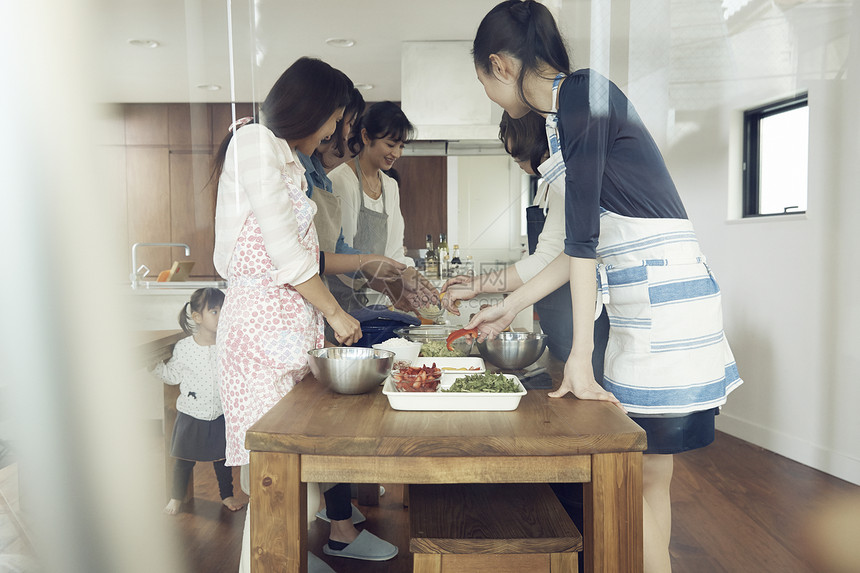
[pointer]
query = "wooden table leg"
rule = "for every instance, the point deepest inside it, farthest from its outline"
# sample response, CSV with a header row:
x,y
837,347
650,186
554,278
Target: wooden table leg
x,y
279,527
612,507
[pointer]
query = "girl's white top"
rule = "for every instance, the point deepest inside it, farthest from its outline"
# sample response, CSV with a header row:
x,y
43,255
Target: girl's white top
x,y
254,179
345,185
195,369
551,240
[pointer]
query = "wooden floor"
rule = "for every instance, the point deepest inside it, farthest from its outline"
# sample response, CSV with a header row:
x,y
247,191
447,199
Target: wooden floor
x,y
736,508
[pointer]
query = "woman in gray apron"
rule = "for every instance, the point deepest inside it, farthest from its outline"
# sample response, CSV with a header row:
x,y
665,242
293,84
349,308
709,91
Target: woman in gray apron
x,y
667,361
370,200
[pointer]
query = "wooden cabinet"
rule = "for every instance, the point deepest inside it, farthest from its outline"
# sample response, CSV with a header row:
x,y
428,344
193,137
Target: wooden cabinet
x,y
189,125
168,195
148,195
423,198
222,118
146,124
192,208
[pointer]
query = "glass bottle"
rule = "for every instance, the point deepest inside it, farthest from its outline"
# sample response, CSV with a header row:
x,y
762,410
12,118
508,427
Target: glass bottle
x,y
431,260
456,264
443,247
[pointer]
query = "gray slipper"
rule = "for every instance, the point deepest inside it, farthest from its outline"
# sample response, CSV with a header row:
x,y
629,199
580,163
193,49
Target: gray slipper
x,y
366,547
357,516
317,565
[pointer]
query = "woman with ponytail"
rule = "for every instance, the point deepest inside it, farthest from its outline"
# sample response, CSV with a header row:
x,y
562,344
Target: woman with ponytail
x,y
628,246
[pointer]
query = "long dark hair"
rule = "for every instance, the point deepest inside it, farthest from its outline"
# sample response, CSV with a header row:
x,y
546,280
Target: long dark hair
x,y
299,103
383,119
353,111
201,300
526,30
524,138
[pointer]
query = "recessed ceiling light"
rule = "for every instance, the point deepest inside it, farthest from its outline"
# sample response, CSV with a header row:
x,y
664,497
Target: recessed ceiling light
x,y
340,42
363,87
209,87
144,43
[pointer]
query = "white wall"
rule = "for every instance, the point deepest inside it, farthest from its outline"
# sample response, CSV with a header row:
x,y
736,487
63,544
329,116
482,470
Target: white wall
x,y
788,283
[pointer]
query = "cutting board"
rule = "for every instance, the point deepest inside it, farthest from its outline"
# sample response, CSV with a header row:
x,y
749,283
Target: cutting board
x,y
177,273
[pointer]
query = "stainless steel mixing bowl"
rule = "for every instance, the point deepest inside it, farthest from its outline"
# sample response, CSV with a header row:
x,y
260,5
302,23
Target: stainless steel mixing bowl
x,y
350,370
513,350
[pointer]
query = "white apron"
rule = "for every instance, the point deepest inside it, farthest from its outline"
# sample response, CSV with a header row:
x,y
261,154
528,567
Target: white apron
x,y
667,352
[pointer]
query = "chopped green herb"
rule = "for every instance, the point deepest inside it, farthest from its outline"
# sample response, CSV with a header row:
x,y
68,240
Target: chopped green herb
x,y
486,382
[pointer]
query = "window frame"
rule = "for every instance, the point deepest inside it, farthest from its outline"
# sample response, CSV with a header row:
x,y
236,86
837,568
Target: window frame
x,y
752,151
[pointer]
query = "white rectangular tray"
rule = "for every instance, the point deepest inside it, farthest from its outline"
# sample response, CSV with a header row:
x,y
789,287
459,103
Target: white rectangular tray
x,y
449,364
453,401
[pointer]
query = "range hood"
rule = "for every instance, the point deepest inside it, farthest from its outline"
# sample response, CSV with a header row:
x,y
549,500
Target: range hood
x,y
442,97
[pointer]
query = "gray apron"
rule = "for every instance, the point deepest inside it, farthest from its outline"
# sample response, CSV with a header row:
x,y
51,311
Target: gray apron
x,y
327,220
371,236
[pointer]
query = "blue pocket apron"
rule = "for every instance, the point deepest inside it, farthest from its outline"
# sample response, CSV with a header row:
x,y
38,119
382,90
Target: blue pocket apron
x,y
667,351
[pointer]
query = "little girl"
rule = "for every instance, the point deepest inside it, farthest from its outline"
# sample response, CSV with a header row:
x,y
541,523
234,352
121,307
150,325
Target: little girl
x,y
198,435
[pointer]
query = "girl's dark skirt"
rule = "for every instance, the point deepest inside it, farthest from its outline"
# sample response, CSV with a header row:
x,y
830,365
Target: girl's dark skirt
x,y
198,440
676,434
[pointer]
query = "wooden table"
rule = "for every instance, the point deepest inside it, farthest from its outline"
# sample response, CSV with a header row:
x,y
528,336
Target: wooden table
x,y
157,346
315,435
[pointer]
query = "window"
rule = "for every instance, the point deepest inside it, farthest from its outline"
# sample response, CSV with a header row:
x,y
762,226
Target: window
x,y
776,144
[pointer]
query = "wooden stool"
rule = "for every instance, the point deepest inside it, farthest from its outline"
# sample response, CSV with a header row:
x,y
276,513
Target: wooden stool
x,y
498,528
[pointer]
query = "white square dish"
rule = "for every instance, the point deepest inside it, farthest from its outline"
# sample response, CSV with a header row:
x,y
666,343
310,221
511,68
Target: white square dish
x,y
453,401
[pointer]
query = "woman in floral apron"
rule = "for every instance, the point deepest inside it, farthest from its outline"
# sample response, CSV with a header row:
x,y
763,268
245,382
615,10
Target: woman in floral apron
x,y
628,246
266,246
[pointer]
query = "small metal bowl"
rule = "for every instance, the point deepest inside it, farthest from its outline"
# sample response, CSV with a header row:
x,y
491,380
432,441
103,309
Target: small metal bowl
x,y
435,333
513,350
350,370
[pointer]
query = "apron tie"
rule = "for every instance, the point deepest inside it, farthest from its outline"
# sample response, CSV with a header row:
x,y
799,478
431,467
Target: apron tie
x,y
602,290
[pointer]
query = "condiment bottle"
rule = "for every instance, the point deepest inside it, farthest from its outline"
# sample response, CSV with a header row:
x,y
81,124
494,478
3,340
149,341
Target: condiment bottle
x,y
431,260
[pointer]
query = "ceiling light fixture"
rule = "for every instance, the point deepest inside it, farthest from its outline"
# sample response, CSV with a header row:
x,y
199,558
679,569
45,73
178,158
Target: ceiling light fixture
x,y
144,43
209,87
363,87
340,42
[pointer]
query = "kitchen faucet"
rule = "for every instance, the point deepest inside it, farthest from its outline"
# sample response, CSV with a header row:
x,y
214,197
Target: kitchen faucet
x,y
136,273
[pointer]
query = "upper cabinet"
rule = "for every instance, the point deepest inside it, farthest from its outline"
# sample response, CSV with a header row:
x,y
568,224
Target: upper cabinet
x,y
146,124
167,192
189,125
222,118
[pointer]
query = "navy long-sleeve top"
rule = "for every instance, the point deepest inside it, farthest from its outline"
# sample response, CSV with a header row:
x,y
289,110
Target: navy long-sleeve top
x,y
611,161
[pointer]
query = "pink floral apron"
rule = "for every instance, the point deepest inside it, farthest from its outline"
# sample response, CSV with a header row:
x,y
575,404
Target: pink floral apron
x,y
265,330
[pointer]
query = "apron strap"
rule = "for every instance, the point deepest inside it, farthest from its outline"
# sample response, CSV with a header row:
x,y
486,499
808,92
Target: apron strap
x,y
552,117
359,174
